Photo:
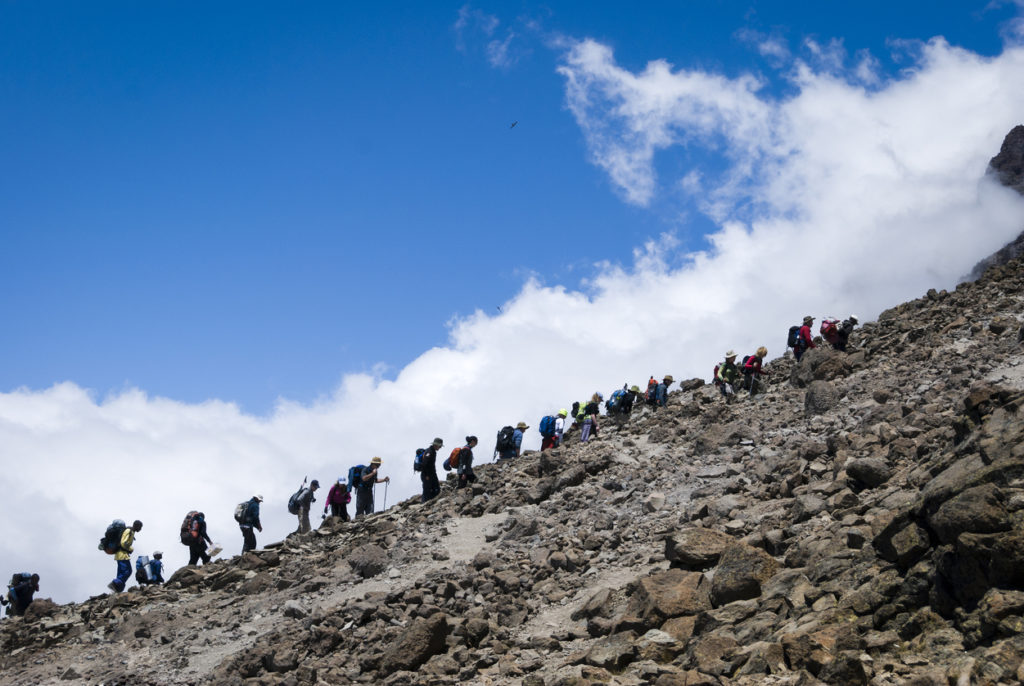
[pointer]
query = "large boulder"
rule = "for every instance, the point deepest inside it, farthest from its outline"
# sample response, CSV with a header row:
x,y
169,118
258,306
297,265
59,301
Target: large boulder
x,y
821,397
976,510
740,573
368,560
869,472
672,593
696,548
420,641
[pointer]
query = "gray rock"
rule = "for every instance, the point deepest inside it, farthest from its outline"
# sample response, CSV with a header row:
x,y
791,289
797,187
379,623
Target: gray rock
x,y
821,397
368,560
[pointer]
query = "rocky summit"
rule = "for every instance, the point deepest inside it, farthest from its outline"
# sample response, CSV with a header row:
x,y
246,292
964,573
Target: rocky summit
x,y
861,522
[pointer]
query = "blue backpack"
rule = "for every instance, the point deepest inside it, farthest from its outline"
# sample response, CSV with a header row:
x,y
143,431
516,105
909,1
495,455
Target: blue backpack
x,y
547,426
355,474
417,465
614,400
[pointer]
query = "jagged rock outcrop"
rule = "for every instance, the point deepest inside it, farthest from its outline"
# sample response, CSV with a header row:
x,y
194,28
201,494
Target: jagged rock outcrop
x,y
1008,167
876,539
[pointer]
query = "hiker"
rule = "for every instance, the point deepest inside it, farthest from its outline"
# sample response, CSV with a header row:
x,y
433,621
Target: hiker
x,y
661,394
338,499
651,396
552,429
590,413
364,487
250,520
727,375
193,534
804,342
19,593
305,500
752,371
845,329
149,571
829,330
428,470
465,470
123,556
509,446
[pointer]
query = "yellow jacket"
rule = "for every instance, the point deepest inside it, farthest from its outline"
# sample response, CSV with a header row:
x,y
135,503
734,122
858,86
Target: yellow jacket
x,y
125,551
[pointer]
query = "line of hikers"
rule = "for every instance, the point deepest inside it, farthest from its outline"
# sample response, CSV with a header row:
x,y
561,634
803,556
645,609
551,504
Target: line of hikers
x,y
119,538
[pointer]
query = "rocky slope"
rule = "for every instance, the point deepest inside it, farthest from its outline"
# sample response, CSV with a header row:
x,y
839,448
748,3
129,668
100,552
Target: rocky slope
x,y
859,523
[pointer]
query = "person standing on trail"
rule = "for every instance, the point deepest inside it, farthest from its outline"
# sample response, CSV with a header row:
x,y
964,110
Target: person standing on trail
x,y
465,470
250,521
752,371
123,556
338,499
305,501
196,538
661,393
364,487
428,470
590,412
727,375
804,341
19,595
555,439
845,329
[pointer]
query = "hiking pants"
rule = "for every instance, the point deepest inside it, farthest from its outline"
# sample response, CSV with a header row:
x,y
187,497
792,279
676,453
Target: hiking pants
x,y
197,551
548,442
364,501
588,426
466,477
304,526
431,487
124,571
248,539
339,510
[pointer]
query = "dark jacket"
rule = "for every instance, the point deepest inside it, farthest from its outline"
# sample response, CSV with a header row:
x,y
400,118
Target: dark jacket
x,y
251,516
428,462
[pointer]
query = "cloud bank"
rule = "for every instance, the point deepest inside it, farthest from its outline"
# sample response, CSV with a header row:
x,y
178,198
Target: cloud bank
x,y
852,193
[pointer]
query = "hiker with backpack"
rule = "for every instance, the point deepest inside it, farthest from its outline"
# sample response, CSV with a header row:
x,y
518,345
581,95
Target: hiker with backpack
x,y
193,535
465,466
752,371
651,396
845,329
122,549
804,341
590,413
428,470
829,330
338,499
247,514
726,376
19,593
365,480
303,500
661,393
149,571
510,441
551,429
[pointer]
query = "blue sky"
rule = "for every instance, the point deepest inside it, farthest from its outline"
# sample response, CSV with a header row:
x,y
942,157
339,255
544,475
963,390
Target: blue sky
x,y
245,242
248,200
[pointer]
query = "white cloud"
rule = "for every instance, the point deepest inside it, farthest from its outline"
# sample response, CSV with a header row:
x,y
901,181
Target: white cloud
x,y
499,54
837,199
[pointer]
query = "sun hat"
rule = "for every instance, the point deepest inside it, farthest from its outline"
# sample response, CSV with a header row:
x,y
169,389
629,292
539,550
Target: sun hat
x,y
635,389
522,425
731,353
376,460
808,319
668,378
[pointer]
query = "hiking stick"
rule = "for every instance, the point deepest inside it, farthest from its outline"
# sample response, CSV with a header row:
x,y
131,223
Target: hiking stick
x,y
385,506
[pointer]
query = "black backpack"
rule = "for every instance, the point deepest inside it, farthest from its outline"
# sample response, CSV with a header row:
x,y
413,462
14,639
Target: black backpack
x,y
505,439
293,502
793,340
111,541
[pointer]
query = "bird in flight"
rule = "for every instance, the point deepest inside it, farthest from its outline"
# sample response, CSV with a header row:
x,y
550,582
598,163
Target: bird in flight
x,y
514,124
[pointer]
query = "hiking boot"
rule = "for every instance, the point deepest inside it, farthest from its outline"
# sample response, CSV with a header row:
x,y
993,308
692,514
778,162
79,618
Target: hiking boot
x,y
113,587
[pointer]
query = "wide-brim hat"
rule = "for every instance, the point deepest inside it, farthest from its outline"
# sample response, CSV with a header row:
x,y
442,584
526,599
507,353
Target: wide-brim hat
x,y
731,353
808,319
522,425
376,460
635,389
668,378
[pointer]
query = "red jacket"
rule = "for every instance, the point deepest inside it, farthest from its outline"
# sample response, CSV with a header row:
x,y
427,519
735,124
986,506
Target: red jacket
x,y
338,495
805,336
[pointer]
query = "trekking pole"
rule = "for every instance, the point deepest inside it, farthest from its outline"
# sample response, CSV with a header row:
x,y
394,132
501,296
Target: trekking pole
x,y
385,495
